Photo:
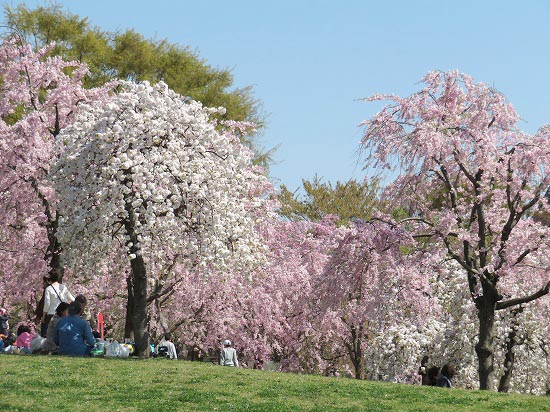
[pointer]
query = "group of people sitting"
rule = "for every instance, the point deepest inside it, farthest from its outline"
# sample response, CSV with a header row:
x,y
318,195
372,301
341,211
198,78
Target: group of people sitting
x,y
66,328
435,376
67,334
63,326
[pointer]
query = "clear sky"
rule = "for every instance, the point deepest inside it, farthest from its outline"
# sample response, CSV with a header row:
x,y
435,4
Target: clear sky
x,y
311,61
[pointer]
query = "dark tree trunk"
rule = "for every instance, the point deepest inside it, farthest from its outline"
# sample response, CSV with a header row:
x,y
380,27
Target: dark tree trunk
x,y
129,321
138,279
504,383
510,357
486,309
139,311
358,366
54,249
356,353
53,252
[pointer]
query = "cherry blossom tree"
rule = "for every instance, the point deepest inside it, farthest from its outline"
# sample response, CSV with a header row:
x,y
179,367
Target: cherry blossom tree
x,y
368,286
449,334
38,97
149,179
298,252
474,181
264,311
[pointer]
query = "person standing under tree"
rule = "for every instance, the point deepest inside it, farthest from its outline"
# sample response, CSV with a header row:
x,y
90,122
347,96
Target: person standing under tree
x,y
54,294
228,356
40,307
4,323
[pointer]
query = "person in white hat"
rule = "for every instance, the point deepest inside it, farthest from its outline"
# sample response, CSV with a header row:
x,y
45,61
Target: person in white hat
x,y
228,356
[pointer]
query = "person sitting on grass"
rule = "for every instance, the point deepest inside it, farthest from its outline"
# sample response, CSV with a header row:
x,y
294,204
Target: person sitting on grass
x,y
61,311
86,312
166,348
24,337
73,334
432,374
9,342
446,375
228,356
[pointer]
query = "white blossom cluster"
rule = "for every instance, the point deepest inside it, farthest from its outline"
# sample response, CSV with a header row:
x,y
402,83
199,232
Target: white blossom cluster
x,y
149,174
449,334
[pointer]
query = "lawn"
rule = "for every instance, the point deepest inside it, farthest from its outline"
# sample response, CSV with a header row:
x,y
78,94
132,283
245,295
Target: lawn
x,y
51,383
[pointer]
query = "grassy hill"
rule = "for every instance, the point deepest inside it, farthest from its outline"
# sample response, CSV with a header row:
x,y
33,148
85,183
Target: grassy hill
x,y
48,383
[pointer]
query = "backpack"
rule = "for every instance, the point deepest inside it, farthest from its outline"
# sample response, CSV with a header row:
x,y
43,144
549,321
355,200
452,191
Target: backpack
x,y
162,351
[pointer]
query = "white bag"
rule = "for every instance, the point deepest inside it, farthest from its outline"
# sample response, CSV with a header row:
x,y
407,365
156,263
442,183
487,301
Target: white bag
x,y
124,351
112,350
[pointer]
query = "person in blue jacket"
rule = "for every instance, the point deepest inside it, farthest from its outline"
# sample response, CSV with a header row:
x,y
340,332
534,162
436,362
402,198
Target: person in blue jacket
x,y
73,335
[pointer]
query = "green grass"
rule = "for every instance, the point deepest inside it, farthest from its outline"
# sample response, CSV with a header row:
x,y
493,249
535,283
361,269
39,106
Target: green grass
x,y
50,383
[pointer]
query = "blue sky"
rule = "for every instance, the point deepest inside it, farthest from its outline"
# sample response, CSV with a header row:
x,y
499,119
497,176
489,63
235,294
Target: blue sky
x,y
310,62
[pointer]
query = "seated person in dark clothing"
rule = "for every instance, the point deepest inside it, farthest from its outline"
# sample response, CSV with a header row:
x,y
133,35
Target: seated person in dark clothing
x,y
432,374
73,334
429,375
446,375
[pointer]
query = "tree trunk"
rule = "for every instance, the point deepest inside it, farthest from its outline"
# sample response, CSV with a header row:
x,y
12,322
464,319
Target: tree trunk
x,y
139,315
129,321
356,353
138,279
504,383
53,251
358,366
510,357
486,308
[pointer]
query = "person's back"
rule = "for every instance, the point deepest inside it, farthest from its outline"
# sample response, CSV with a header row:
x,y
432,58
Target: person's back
x,y
228,355
73,334
61,311
170,351
54,295
445,376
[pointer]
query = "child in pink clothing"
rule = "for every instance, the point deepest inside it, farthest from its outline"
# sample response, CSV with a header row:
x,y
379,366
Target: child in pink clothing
x,y
24,338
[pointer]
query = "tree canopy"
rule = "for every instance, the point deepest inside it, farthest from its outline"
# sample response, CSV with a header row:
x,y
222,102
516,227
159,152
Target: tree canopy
x,y
128,55
348,200
146,178
459,139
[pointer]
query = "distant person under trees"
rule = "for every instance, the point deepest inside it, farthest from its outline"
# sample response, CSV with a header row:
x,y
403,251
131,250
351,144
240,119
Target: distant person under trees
x,y
86,312
444,380
166,348
4,322
228,356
